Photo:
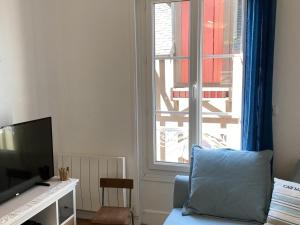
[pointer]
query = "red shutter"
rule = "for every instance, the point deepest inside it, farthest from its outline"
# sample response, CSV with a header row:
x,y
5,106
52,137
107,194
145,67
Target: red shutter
x,y
213,34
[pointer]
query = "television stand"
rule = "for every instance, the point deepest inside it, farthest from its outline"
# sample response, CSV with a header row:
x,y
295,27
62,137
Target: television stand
x,y
48,205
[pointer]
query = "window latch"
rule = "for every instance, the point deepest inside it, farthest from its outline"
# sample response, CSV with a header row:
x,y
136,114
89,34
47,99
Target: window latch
x,y
194,91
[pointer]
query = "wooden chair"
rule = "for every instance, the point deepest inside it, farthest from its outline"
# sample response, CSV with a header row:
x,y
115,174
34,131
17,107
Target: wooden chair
x,y
114,215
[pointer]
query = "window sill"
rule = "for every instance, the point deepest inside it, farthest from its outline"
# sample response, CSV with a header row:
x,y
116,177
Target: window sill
x,y
164,172
170,167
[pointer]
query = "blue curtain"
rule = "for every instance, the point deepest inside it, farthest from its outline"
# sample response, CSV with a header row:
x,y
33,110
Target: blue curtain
x,y
257,132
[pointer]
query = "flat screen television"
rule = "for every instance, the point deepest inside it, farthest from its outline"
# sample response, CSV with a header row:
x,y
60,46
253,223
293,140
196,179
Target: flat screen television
x,y
26,156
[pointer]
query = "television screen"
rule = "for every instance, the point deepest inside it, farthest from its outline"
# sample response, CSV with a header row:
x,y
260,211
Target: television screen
x,y
26,156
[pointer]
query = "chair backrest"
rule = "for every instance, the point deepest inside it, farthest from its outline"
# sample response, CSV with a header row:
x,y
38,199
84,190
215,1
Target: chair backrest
x,y
116,183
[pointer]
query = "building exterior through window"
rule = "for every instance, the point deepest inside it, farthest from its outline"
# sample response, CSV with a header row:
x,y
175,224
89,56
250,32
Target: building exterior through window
x,y
221,77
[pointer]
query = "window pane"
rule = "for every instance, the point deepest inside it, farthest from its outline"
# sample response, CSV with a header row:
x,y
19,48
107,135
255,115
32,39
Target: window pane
x,y
172,132
222,28
171,84
171,79
222,73
172,96
221,132
171,28
222,102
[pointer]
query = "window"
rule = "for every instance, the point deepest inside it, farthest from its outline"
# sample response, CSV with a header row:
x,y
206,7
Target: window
x,y
197,76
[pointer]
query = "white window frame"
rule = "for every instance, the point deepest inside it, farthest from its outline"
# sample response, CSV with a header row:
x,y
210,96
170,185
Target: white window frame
x,y
195,86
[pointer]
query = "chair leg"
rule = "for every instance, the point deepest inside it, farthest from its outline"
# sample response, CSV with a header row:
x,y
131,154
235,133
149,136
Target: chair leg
x,y
132,218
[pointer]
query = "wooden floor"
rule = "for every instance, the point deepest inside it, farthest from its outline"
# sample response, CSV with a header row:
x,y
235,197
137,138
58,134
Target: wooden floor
x,y
83,222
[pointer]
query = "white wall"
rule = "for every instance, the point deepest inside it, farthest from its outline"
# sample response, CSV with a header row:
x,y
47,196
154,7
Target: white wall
x,y
72,60
286,87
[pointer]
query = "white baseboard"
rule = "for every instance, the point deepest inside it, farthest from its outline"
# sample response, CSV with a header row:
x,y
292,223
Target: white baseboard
x,y
154,217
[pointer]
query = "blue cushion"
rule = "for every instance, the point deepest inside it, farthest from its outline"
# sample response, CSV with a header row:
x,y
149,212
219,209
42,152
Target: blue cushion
x,y
175,218
229,183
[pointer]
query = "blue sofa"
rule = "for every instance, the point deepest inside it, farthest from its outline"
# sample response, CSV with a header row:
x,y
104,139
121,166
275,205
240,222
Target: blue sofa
x,y
180,196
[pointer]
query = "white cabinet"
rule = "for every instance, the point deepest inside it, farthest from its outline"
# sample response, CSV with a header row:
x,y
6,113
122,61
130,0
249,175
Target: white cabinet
x,y
48,205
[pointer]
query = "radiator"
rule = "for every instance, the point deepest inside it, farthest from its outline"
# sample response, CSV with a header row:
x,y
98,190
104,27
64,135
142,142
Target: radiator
x,y
88,169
